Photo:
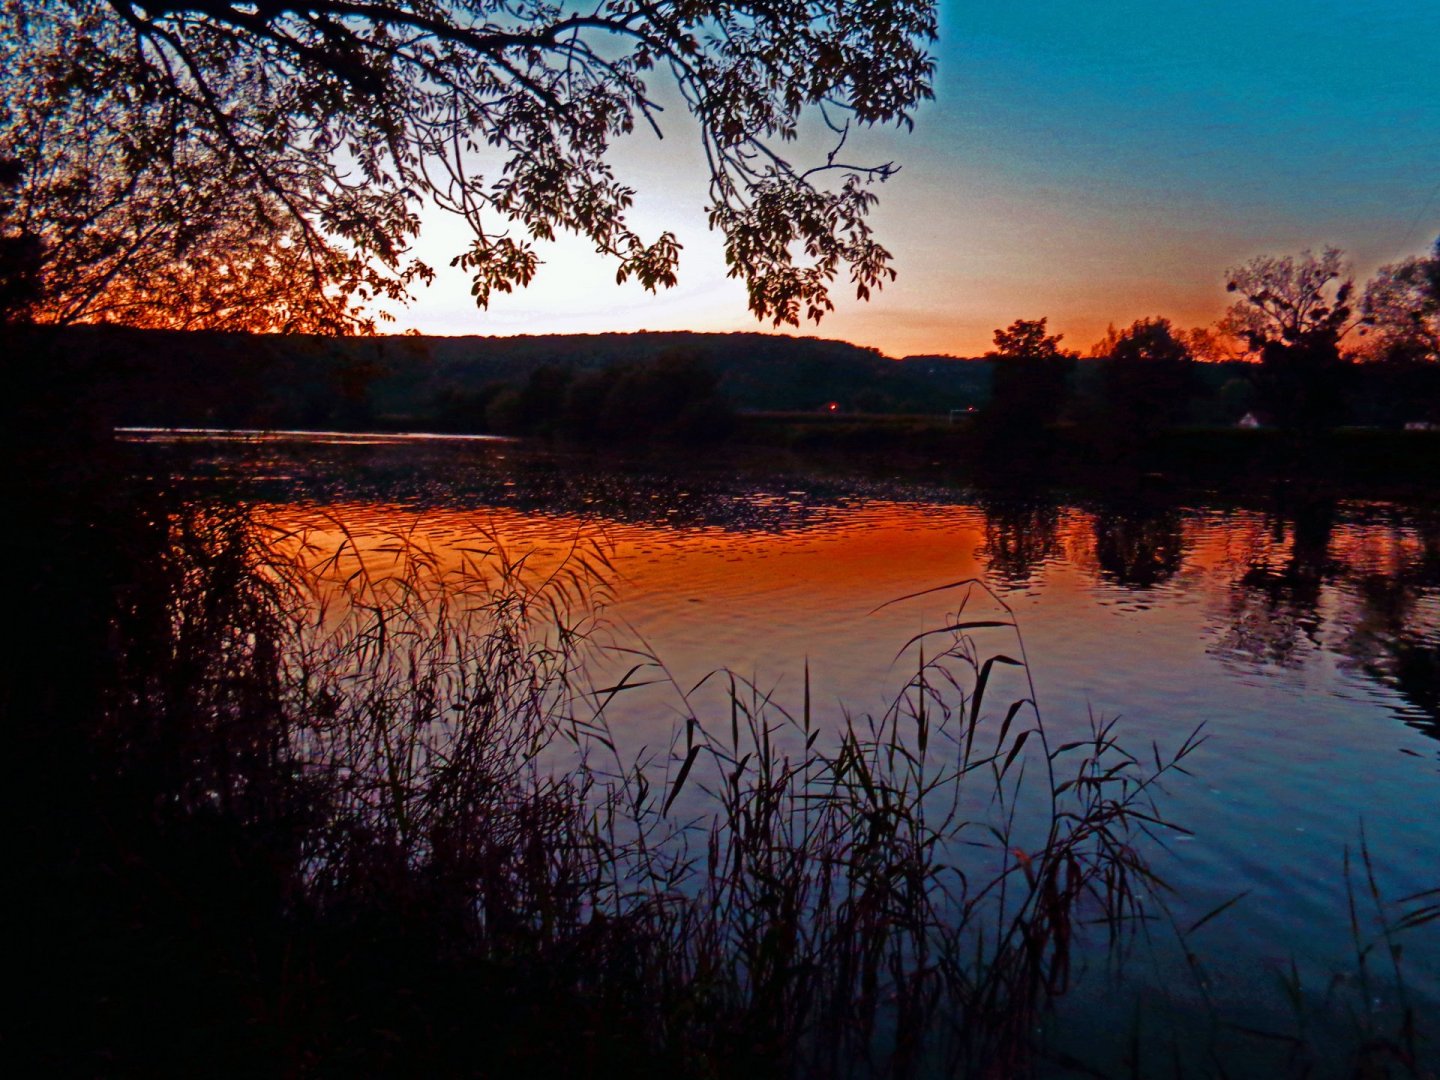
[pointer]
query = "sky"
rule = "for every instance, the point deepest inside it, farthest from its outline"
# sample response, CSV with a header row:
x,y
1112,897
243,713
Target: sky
x,y
1091,162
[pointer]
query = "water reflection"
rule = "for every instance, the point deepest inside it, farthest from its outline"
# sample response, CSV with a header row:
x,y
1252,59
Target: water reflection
x,y
1274,599
1139,545
1359,583
1393,637
1298,628
1021,536
1392,615
1285,582
1303,578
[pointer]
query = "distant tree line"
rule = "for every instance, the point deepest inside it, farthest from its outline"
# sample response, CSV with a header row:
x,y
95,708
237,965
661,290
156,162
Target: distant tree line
x,y
204,378
1299,349
674,397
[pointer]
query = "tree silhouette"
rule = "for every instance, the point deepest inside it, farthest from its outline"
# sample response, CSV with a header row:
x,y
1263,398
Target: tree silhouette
x,y
312,134
139,221
1293,312
1025,339
1402,310
1148,376
20,253
1031,376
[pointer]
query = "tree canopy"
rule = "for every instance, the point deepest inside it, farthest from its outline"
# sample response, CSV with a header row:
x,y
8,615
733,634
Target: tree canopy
x,y
1402,310
1150,341
287,148
1293,312
1025,339
1031,379
1290,300
1147,377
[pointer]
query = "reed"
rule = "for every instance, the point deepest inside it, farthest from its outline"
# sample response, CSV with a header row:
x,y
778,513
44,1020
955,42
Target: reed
x,y
443,860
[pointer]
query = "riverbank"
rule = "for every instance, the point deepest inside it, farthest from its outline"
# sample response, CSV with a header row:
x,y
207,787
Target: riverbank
x,y
1377,461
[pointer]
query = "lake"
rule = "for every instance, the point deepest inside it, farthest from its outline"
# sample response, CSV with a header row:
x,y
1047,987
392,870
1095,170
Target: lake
x,y
1300,628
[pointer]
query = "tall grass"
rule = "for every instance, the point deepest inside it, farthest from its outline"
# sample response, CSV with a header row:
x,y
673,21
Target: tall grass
x,y
449,862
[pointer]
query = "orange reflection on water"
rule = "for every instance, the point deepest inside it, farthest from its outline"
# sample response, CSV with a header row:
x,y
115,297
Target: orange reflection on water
x,y
1102,591
767,604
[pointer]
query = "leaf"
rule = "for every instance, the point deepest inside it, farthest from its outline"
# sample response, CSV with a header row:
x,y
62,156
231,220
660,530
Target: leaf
x,y
680,779
1218,911
1015,707
983,680
954,628
1015,750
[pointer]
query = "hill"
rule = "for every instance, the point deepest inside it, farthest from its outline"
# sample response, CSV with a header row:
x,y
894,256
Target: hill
x,y
164,378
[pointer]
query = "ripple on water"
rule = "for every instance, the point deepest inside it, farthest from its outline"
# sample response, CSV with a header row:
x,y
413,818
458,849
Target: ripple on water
x,y
1306,638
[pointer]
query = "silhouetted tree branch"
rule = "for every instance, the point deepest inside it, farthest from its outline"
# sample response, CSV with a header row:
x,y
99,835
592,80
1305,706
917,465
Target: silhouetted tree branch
x,y
1285,300
327,125
1293,312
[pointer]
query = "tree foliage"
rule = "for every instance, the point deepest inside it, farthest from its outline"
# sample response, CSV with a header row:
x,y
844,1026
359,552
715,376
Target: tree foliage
x,y
1212,344
1148,376
1106,345
674,397
1032,376
273,144
20,254
1025,339
1293,312
1150,341
1402,310
1290,300
138,218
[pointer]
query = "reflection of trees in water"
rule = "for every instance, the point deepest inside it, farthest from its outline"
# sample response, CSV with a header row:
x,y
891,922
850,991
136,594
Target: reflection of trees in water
x,y
1021,535
1384,577
735,496
1273,614
1139,546
1394,638
1394,624
1368,574
1414,673
1270,622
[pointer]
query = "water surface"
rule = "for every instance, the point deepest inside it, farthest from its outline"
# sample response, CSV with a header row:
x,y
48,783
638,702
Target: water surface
x,y
1301,630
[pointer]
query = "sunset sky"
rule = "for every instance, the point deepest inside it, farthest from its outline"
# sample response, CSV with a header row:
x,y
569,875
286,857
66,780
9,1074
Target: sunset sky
x,y
1092,162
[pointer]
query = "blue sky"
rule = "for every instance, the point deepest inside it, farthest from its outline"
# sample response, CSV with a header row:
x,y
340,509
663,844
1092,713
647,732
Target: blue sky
x,y
1092,162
